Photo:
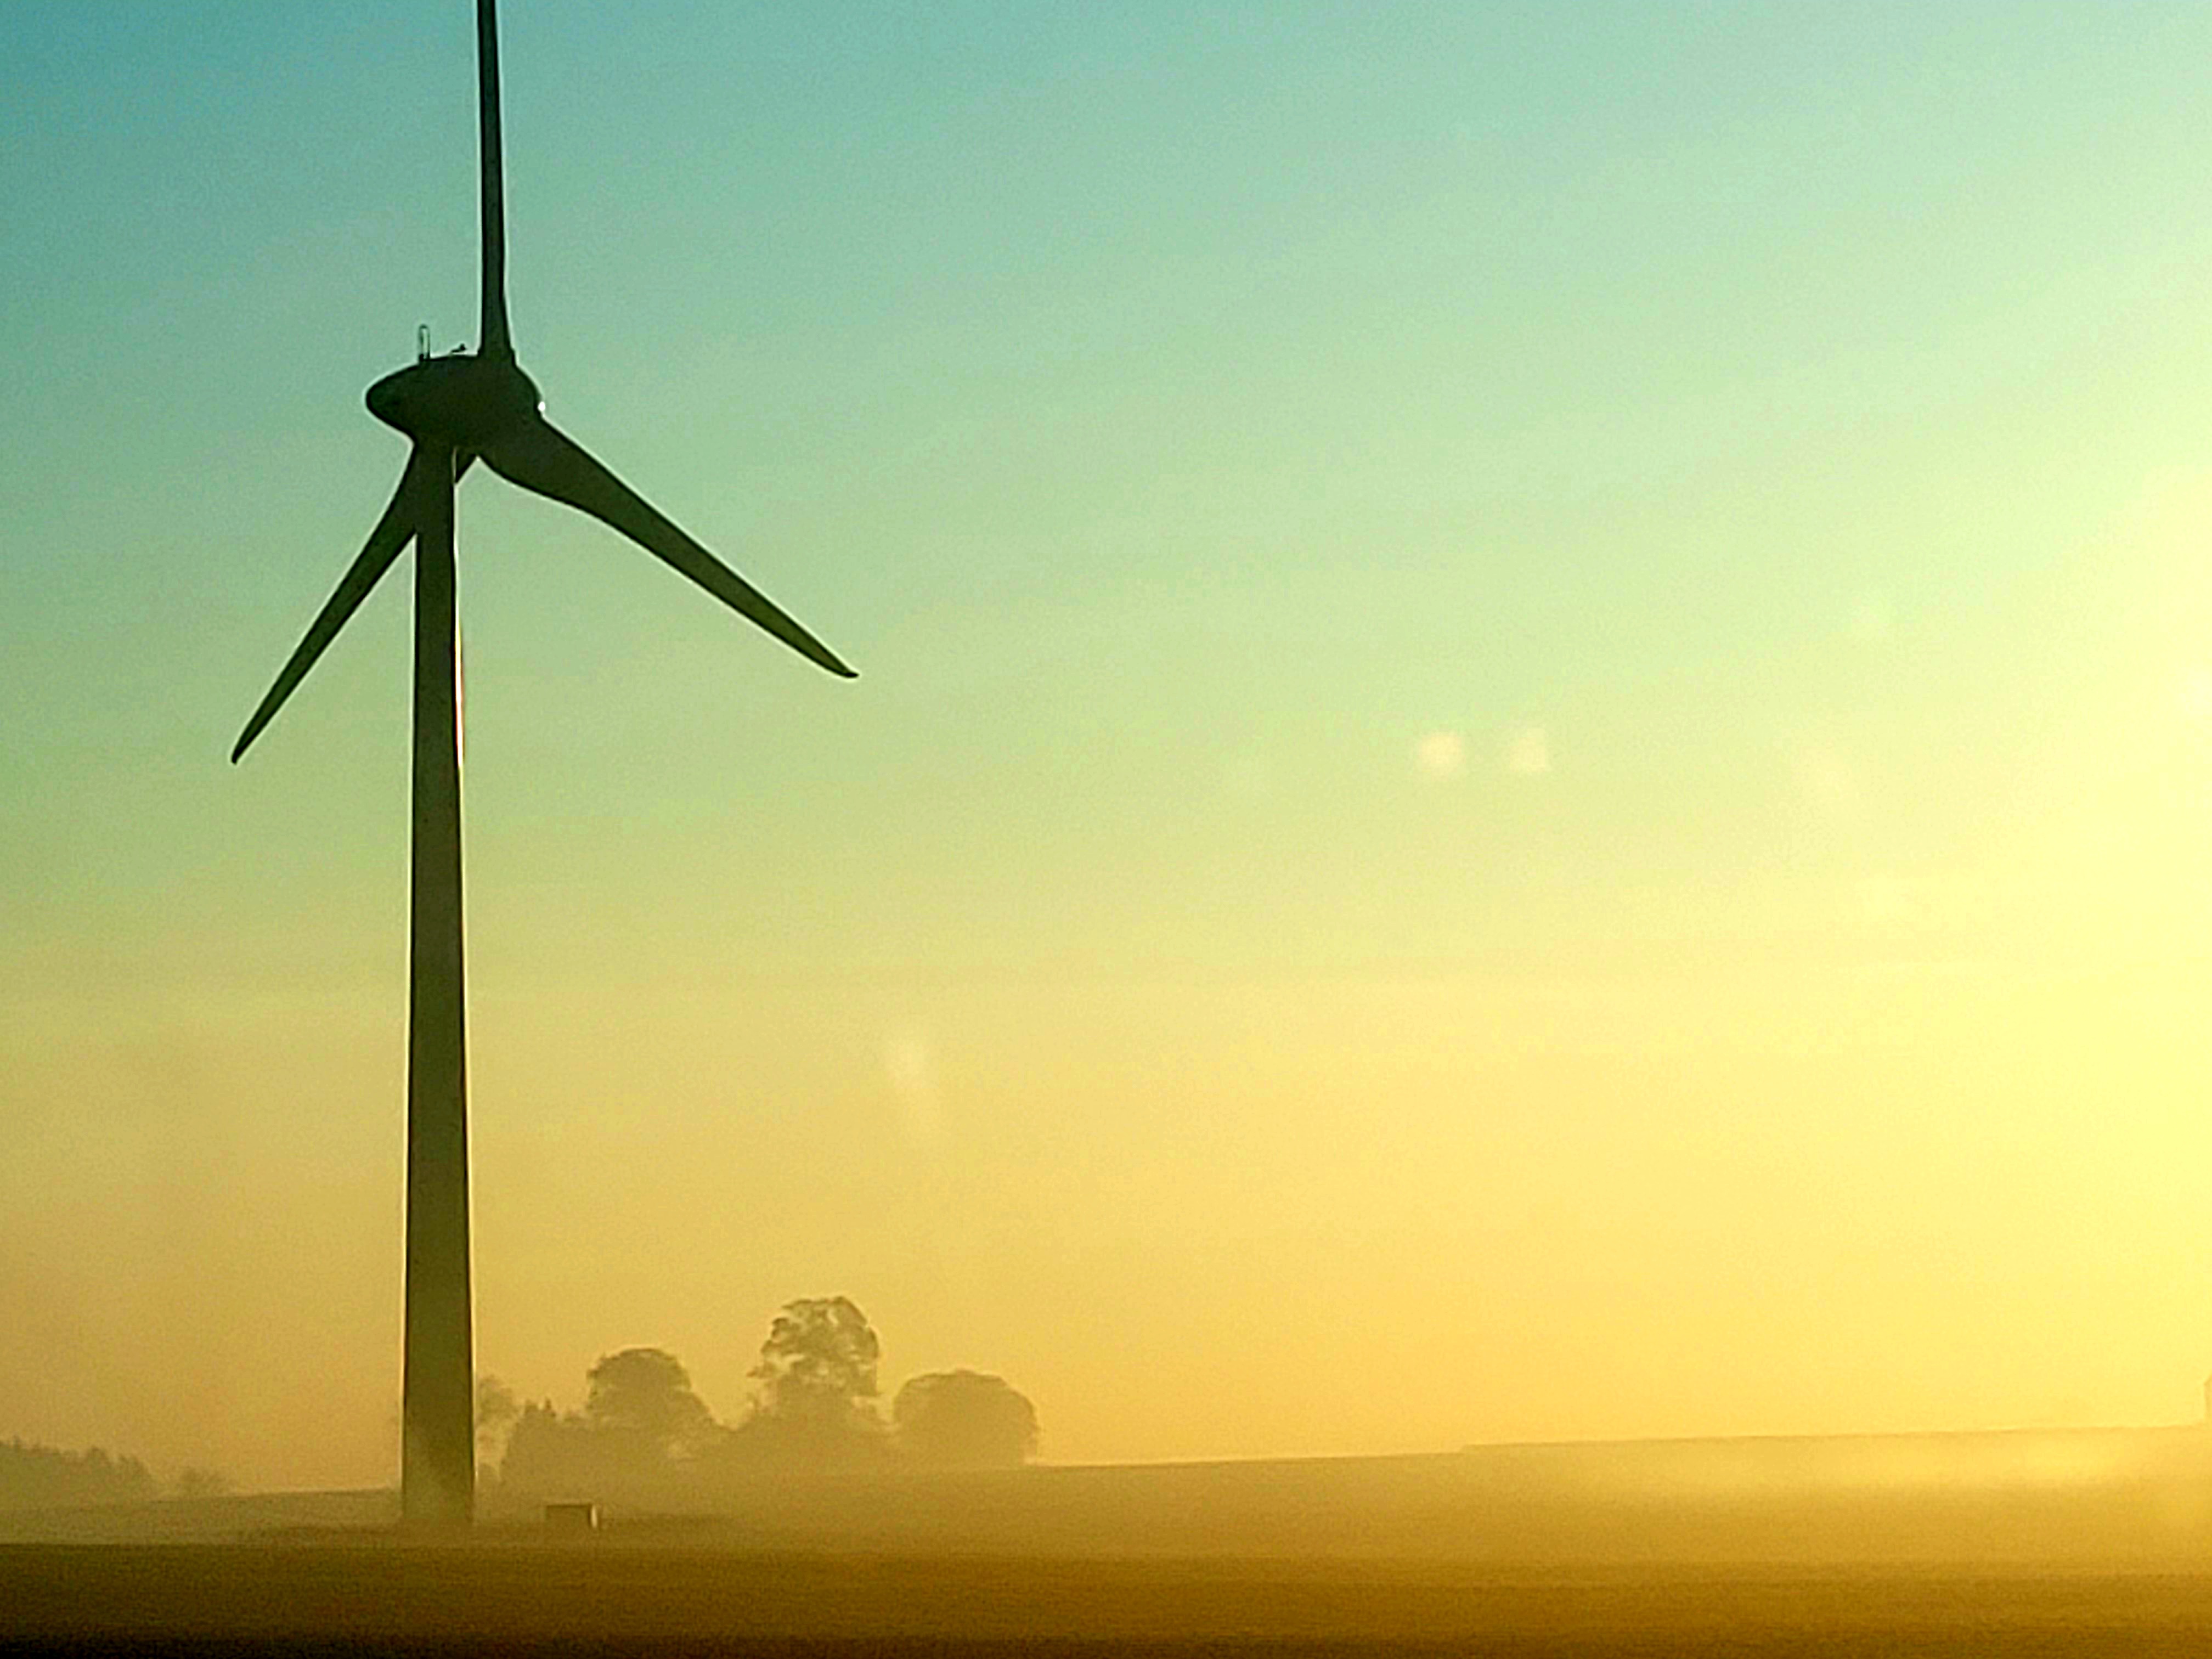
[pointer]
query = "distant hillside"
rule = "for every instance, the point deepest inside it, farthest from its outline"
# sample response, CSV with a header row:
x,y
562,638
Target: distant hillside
x,y
2018,1459
206,1520
2098,1497
2105,1495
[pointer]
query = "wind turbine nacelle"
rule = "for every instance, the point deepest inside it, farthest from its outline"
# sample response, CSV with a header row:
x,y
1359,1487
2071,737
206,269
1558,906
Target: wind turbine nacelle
x,y
462,402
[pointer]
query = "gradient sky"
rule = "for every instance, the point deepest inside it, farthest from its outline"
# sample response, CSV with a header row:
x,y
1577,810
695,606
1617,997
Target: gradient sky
x,y
1534,758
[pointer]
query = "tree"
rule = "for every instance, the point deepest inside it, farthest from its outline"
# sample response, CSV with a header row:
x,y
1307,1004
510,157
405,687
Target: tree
x,y
645,1394
964,1419
497,1410
815,1408
641,1424
42,1477
818,1364
552,1454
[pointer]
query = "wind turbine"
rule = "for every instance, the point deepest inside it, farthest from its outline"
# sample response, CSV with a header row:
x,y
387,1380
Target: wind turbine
x,y
459,410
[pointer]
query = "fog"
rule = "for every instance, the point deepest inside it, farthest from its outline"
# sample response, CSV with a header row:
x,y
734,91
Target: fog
x,y
1185,1222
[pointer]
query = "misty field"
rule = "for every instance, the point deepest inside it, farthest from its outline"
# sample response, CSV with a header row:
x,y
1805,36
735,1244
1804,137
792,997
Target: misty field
x,y
2048,1542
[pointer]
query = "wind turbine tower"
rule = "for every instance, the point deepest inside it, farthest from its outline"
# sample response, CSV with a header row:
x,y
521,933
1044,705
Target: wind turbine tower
x,y
457,411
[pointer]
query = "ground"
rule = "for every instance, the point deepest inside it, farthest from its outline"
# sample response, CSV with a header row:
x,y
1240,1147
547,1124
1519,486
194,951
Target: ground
x,y
608,1596
2035,1543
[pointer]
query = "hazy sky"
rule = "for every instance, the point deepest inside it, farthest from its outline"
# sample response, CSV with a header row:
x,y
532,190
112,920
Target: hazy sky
x,y
1534,754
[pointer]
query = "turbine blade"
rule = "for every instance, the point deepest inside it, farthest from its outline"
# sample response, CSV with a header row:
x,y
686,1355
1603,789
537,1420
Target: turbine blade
x,y
549,462
493,340
392,532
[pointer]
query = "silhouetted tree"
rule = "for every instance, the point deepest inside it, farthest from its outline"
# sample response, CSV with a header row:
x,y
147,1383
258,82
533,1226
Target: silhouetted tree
x,y
558,1454
646,1393
964,1419
640,1422
819,1361
39,1477
816,1404
497,1410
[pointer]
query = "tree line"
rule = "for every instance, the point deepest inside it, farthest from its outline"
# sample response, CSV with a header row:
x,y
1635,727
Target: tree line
x,y
45,1477
641,1427
815,1408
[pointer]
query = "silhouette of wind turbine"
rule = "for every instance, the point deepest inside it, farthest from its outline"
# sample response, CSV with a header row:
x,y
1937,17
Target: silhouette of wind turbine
x,y
458,411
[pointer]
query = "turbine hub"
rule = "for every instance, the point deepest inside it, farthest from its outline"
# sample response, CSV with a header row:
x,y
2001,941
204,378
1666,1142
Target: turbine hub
x,y
462,402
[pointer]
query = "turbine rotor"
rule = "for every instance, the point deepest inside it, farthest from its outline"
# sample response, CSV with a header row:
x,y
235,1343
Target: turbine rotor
x,y
462,402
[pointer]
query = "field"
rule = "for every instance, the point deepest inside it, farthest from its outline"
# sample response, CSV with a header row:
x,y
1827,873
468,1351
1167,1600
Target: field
x,y
2027,1544
610,1598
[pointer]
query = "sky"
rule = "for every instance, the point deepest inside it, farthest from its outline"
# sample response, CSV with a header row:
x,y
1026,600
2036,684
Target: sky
x,y
1533,758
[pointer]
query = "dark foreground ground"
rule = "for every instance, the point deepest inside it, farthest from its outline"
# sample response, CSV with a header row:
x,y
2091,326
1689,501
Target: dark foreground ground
x,y
605,1596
